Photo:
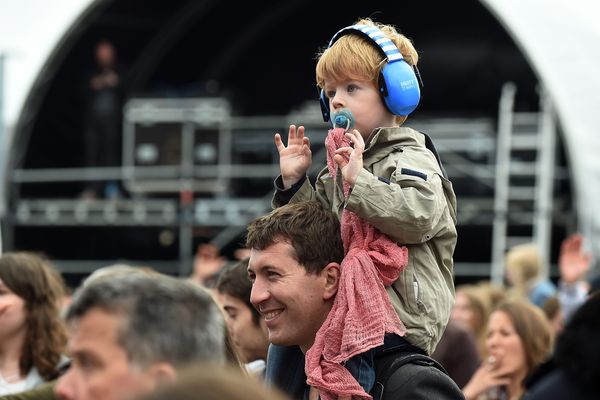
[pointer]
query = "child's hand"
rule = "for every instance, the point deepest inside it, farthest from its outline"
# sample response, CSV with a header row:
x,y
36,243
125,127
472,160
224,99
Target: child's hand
x,y
295,159
349,159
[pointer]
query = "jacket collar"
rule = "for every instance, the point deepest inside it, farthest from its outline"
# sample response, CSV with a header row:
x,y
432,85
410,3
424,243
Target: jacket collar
x,y
384,141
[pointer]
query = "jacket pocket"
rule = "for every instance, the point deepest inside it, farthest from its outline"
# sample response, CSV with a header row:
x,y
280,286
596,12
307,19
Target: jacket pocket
x,y
418,294
409,290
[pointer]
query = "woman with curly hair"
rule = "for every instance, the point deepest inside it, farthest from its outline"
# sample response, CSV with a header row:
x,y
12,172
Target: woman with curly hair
x,y
32,333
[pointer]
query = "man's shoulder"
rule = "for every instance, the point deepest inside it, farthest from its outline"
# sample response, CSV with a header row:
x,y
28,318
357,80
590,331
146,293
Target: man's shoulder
x,y
414,376
45,391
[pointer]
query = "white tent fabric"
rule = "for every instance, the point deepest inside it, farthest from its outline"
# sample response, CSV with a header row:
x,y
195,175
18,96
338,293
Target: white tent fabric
x,y
561,40
29,31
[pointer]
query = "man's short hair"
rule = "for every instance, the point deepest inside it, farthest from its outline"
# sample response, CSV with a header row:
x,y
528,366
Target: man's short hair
x,y
234,281
164,318
312,230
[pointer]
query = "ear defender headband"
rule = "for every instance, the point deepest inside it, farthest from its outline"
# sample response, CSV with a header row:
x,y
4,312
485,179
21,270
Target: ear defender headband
x,y
398,82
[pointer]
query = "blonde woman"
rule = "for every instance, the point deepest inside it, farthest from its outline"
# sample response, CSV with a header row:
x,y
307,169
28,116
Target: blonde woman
x,y
523,266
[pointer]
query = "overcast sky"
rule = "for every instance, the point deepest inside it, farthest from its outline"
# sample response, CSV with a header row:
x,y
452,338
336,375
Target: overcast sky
x,y
29,30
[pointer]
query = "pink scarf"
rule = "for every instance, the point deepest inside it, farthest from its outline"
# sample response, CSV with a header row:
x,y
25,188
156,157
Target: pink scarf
x,y
362,312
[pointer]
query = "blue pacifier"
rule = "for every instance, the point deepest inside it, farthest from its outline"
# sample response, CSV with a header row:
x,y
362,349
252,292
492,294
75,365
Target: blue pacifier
x,y
343,119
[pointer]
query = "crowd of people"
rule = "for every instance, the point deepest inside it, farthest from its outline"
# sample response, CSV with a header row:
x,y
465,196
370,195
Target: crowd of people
x,y
345,290
132,332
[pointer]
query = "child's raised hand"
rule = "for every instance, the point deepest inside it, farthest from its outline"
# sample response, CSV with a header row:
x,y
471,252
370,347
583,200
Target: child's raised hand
x,y
349,159
295,159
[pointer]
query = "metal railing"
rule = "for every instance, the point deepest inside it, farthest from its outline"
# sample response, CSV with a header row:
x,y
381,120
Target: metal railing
x,y
525,173
157,192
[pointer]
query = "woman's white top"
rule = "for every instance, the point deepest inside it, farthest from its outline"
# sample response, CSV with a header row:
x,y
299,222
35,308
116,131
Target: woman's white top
x,y
32,380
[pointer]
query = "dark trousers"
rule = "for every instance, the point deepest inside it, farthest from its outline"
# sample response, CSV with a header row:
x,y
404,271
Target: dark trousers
x,y
102,146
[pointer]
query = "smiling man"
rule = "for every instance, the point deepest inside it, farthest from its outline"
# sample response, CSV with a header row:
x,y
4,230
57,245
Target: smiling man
x,y
294,264
296,252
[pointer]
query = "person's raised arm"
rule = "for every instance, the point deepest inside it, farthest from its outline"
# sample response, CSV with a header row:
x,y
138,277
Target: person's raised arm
x,y
574,263
295,158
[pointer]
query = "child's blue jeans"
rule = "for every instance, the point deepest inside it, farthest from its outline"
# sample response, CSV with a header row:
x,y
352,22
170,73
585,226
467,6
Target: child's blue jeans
x,y
362,368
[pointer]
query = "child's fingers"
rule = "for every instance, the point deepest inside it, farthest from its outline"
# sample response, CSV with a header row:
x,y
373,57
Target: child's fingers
x,y
344,150
306,146
356,138
340,161
291,134
279,143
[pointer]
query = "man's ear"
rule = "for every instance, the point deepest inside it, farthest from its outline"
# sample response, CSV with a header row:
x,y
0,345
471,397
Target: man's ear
x,y
331,274
163,372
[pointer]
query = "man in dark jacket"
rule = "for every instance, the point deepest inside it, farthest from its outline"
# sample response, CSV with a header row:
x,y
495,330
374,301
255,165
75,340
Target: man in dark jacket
x,y
295,257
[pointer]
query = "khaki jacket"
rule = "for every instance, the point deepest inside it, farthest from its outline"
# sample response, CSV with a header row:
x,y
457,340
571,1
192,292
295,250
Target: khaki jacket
x,y
402,192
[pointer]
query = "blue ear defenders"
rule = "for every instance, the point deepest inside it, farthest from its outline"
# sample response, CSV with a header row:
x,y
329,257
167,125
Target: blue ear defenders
x,y
398,83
